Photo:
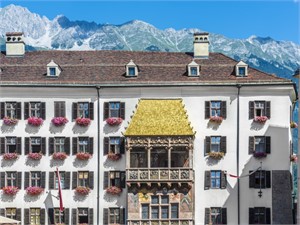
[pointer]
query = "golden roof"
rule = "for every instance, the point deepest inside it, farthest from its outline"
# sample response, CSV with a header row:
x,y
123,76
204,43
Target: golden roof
x,y
159,117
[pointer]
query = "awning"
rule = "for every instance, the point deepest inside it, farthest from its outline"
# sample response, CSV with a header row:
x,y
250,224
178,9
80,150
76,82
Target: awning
x,y
4,220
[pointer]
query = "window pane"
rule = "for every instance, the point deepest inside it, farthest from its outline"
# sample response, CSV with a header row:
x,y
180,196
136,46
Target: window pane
x,y
164,212
138,158
83,109
154,212
154,199
174,211
164,199
114,109
242,71
159,157
145,211
131,71
215,107
52,72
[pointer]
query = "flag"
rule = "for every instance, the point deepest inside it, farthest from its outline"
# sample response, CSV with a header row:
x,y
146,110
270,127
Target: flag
x,y
61,207
246,175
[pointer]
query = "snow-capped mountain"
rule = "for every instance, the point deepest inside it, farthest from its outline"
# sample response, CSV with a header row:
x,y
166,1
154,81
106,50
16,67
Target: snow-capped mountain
x,y
280,57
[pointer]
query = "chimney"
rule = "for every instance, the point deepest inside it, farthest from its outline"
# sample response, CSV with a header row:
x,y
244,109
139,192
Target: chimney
x,y
15,45
201,45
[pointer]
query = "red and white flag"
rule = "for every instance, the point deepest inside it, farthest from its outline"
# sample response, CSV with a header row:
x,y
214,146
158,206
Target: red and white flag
x,y
246,175
61,206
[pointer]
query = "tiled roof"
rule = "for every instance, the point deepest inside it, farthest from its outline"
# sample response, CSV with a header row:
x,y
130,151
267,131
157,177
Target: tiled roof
x,y
155,117
109,67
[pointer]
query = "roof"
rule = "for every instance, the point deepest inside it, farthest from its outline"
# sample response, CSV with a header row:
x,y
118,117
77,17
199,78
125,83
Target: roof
x,y
159,117
108,67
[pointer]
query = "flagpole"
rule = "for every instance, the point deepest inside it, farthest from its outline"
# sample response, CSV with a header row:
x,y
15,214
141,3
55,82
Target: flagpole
x,y
61,207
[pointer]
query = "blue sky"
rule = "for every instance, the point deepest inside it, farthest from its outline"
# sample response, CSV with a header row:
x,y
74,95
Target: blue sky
x,y
234,19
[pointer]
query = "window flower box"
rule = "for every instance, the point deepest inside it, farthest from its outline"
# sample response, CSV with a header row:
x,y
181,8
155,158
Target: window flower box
x,y
259,154
34,190
216,155
35,121
35,156
83,122
10,156
113,190
294,158
59,121
10,190
293,124
82,190
114,121
59,155
216,119
83,156
260,119
113,156
10,121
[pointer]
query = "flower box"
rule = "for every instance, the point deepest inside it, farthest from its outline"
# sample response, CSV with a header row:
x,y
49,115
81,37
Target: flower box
x,y
59,121
216,119
59,155
216,155
260,119
113,156
35,121
114,121
35,156
82,190
34,190
10,190
293,124
259,154
294,158
83,122
10,121
113,190
10,156
83,156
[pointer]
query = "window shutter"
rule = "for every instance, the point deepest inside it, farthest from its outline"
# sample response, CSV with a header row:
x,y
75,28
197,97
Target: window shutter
x,y
268,144
122,216
74,111
106,145
122,145
67,180
91,216
2,179
2,110
123,179
51,180
251,146
268,179
251,110
105,216
19,111
223,180
51,146
75,145
105,180
91,145
26,181
207,180
224,215
19,180
91,110
51,216
74,180
26,217
2,145
223,144
207,109
122,110
207,216
43,179
43,110
42,216
19,145
67,145
19,214
91,180
251,215
74,216
223,109
207,145
105,110
268,215
27,145
2,212
43,145
26,110
268,109
251,180
67,215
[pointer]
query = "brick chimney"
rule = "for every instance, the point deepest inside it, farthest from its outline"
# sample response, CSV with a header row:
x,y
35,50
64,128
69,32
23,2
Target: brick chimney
x,y
15,45
201,45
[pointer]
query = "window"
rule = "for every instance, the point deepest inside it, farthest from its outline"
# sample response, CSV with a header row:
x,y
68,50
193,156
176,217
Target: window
x,y
193,69
114,178
215,179
10,109
35,144
62,180
174,211
241,69
83,215
260,179
83,143
11,179
114,145
215,108
179,157
11,146
35,216
215,144
159,158
114,215
259,215
83,179
114,109
138,157
59,216
259,108
35,179
145,211
59,109
215,215
131,69
11,213
83,110
59,144
260,144
52,71
35,109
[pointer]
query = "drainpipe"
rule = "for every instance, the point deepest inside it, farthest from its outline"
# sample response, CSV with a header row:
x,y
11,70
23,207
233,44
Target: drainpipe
x,y
238,152
98,153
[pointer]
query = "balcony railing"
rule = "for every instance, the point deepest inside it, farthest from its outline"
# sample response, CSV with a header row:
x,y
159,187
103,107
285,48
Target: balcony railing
x,y
160,174
161,222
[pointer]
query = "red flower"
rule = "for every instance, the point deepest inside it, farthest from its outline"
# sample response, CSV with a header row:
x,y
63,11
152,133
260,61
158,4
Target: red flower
x,y
35,121
260,119
10,121
84,122
10,190
35,156
34,190
59,121
59,155
113,190
216,119
113,156
10,156
259,154
83,156
113,121
82,190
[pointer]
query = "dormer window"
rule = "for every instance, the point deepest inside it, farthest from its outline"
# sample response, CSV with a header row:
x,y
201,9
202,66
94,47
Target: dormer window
x,y
53,69
241,69
131,69
193,69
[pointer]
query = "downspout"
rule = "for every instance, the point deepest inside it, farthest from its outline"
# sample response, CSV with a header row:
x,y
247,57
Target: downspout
x,y
98,154
238,152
